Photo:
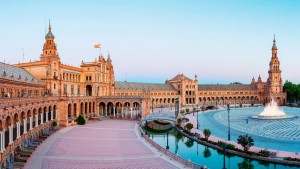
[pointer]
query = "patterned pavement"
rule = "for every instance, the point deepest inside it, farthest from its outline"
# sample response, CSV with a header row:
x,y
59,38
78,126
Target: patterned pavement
x,y
105,144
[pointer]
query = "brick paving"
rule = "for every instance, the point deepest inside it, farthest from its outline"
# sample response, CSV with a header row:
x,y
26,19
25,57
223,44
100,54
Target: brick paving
x,y
104,144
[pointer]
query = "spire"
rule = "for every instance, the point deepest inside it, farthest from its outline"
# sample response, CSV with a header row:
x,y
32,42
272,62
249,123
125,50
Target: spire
x,y
274,47
108,57
259,79
49,28
253,81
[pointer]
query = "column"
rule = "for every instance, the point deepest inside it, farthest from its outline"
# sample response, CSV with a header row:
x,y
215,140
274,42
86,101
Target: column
x,y
18,129
10,130
25,126
36,120
131,112
42,118
47,113
114,110
106,111
51,115
2,141
30,121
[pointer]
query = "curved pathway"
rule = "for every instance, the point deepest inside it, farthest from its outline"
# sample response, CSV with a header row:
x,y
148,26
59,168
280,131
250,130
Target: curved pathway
x,y
102,144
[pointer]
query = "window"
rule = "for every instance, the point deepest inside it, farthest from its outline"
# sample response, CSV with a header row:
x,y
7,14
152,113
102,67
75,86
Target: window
x,y
72,89
78,89
65,88
54,86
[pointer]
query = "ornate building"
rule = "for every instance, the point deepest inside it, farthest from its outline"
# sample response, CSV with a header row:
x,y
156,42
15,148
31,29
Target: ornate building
x,y
190,92
35,94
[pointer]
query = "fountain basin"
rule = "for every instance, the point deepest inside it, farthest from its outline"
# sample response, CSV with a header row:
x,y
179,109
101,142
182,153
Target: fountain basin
x,y
272,117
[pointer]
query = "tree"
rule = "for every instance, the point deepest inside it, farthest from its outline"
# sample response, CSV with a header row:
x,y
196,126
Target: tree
x,y
189,127
292,90
246,164
80,120
179,121
206,152
206,133
245,141
189,143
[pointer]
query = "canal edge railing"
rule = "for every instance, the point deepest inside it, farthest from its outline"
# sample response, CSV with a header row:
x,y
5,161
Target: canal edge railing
x,y
187,163
240,154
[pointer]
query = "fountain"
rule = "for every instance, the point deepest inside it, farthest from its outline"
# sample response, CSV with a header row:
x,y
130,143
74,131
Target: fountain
x,y
272,112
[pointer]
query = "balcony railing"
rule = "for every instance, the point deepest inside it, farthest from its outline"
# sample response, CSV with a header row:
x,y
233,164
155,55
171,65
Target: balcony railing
x,y
14,101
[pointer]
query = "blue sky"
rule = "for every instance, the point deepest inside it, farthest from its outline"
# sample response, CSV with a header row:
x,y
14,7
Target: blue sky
x,y
153,40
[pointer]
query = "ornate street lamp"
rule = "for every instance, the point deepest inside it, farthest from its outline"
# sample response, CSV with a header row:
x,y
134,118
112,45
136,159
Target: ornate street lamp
x,y
228,108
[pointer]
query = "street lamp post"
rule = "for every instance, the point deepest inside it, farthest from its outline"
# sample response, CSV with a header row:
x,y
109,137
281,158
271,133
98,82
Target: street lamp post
x,y
193,111
146,127
152,104
197,118
167,141
228,108
224,162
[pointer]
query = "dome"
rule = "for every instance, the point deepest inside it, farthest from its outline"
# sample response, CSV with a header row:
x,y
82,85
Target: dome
x,y
49,34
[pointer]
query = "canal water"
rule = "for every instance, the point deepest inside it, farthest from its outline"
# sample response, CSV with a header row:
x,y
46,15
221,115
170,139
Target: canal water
x,y
210,157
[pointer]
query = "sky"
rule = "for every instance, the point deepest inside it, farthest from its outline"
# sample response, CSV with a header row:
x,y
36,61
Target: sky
x,y
154,40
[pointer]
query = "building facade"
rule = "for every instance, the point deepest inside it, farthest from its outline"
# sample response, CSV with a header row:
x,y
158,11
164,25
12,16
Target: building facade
x,y
191,93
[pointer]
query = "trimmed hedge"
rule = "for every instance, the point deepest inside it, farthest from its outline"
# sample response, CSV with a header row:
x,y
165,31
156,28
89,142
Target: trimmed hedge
x,y
80,120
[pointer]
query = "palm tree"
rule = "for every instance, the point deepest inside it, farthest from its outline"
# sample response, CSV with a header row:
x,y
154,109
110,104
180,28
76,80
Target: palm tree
x,y
245,141
206,152
189,127
189,143
206,133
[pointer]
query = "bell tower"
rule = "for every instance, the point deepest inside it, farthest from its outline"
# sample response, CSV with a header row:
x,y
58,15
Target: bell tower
x,y
49,48
274,79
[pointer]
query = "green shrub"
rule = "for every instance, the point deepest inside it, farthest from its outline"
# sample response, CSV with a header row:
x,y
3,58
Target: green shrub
x,y
231,146
181,111
187,110
54,123
265,153
194,109
221,144
80,120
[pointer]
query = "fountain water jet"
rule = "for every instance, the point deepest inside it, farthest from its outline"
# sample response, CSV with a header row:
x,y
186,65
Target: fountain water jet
x,y
272,112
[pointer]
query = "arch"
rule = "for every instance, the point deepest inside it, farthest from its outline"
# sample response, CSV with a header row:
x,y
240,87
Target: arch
x,y
8,121
85,108
118,107
69,111
1,127
49,112
81,108
110,107
90,107
101,108
45,114
88,90
75,110
278,100
54,111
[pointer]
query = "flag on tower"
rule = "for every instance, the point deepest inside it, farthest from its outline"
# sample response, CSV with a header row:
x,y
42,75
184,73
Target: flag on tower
x,y
97,46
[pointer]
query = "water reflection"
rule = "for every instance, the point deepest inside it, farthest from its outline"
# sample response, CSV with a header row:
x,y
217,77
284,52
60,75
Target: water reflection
x,y
203,155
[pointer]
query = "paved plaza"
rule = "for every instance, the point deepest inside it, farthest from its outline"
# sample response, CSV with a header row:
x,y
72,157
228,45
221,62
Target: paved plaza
x,y
99,144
